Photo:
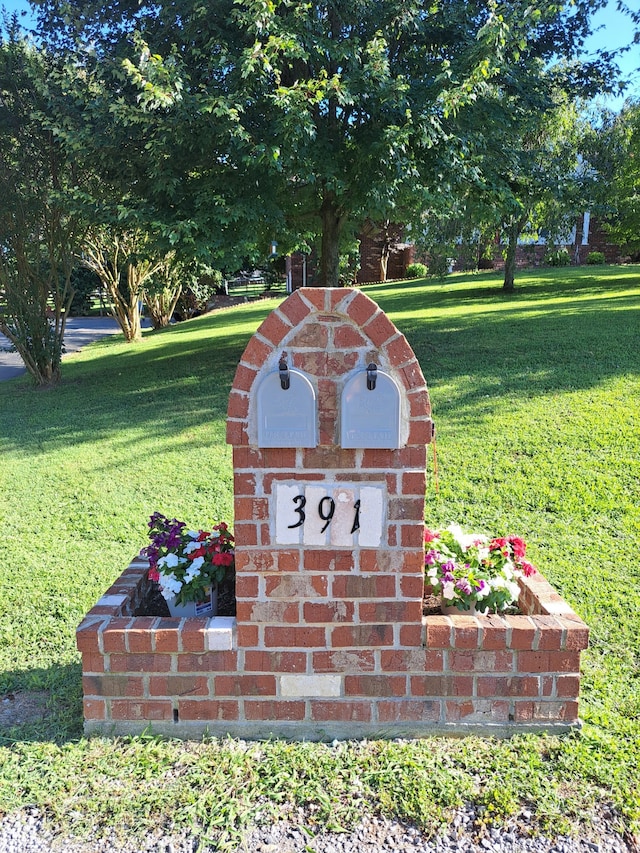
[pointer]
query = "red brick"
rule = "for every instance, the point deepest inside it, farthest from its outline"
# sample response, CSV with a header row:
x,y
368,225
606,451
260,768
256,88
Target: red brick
x,y
411,535
348,337
274,328
166,635
268,611
207,709
322,710
310,335
406,509
380,560
522,632
279,457
548,682
419,431
328,457
315,295
441,685
375,458
333,611
255,561
523,712
247,635
456,710
439,631
412,635
208,662
87,636
419,405
564,662
114,636
375,685
238,407
338,295
549,634
244,378
361,309
399,351
326,560
301,637
408,710
246,533
158,709
244,484
250,509
192,635
412,456
246,586
92,662
466,632
379,329
494,632
480,661
112,685
577,635
271,709
247,457
237,433
259,661
140,663
491,685
363,586
411,660
342,660
568,686
414,483
533,661
390,611
294,309
296,586
94,709
362,635
255,354
178,685
245,685
289,561
412,586
411,376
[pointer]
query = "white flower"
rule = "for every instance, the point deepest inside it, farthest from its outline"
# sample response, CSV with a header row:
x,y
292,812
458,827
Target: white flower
x,y
465,540
448,590
193,534
514,590
191,546
169,562
170,586
196,565
432,573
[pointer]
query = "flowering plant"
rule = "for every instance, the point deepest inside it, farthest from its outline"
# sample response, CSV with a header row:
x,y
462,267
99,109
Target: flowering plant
x,y
187,562
470,568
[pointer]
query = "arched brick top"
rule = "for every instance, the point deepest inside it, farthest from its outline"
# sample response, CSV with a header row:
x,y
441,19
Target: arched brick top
x,y
327,333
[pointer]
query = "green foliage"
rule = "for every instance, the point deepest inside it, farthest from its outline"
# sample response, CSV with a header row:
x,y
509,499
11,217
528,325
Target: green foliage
x,y
85,284
416,270
557,258
595,258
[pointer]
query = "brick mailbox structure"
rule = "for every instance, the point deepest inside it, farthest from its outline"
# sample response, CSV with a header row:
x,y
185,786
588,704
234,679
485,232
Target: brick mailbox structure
x,y
329,419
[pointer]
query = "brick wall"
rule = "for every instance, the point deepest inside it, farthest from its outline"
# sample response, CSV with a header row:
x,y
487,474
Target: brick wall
x,y
329,638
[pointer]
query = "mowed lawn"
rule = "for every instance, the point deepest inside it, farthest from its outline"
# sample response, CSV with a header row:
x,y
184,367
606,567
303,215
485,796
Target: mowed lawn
x,y
536,398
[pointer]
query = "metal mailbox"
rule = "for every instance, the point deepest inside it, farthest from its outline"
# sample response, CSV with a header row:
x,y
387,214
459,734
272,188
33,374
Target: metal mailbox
x,y
370,411
287,410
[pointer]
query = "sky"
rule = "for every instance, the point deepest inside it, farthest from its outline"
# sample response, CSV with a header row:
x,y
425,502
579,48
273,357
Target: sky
x,y
612,30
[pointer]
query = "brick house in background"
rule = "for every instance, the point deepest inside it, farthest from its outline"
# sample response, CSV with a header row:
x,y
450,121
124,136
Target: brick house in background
x,y
378,242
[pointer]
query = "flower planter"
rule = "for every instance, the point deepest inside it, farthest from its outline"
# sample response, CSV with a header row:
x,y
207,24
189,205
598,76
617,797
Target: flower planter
x,y
206,607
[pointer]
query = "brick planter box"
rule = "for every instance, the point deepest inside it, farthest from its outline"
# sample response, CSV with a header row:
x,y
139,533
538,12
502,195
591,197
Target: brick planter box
x,y
487,674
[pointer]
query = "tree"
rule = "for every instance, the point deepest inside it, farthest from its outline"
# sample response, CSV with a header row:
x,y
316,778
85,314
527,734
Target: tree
x,y
38,236
263,120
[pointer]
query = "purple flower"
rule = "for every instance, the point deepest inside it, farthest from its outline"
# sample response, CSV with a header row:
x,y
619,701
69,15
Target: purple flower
x,y
463,586
430,558
449,566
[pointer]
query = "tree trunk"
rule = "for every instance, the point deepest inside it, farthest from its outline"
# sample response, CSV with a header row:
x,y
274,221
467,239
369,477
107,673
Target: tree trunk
x,y
513,232
330,255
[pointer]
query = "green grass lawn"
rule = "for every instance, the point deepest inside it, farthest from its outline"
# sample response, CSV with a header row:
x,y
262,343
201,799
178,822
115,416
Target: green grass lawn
x,y
536,400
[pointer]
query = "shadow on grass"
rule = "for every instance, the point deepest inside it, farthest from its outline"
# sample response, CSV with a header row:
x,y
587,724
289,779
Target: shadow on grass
x,y
551,336
41,705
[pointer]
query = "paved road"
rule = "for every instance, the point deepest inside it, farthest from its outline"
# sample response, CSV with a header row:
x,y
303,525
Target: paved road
x,y
80,331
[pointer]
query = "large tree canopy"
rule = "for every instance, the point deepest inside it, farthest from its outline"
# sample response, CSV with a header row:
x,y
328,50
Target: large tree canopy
x,y
262,120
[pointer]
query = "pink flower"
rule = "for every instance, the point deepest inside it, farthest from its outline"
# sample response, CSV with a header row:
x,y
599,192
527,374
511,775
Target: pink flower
x,y
519,547
153,575
527,568
430,535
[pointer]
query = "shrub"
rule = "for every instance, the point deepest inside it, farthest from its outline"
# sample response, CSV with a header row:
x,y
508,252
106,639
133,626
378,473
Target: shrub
x,y
416,270
594,258
85,283
557,258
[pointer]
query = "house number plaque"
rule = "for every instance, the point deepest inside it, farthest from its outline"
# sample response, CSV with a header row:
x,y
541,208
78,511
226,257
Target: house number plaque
x,y
331,514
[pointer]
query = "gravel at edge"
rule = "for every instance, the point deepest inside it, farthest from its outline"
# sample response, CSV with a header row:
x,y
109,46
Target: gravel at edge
x,y
27,832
